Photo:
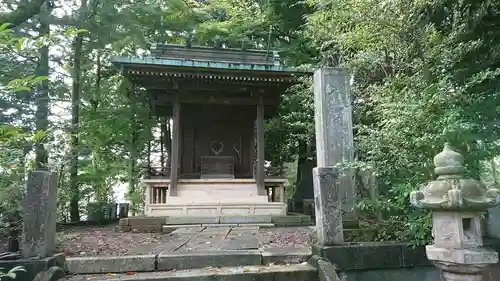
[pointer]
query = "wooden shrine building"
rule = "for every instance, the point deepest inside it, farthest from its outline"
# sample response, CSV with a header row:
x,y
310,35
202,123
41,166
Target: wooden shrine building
x,y
217,100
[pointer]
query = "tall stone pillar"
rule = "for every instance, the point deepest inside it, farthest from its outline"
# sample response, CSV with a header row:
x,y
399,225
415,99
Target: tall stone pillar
x,y
456,205
40,210
334,188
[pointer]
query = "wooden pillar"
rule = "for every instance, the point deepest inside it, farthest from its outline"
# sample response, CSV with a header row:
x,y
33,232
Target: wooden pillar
x,y
147,198
260,148
174,158
282,193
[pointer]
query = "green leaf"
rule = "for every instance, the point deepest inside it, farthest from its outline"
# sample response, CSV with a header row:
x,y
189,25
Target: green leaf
x,y
5,26
21,88
39,79
20,42
82,31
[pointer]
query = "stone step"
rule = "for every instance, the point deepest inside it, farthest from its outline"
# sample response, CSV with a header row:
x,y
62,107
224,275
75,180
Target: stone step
x,y
217,219
167,261
170,228
302,272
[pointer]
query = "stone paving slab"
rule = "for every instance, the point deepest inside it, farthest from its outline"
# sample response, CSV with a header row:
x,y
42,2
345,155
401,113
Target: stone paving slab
x,y
244,243
286,255
191,220
86,265
259,225
203,243
183,229
178,261
215,225
245,219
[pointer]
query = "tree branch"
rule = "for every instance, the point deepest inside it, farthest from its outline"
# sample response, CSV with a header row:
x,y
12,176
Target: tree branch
x,y
26,9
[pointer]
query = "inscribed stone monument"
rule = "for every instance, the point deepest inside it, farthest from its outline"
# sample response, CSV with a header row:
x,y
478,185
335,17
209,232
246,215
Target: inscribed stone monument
x,y
334,135
334,191
39,224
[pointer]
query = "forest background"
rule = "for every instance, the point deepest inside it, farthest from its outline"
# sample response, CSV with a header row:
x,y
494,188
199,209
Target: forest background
x,y
425,72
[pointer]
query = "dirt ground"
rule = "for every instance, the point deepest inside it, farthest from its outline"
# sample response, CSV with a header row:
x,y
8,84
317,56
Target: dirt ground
x,y
104,241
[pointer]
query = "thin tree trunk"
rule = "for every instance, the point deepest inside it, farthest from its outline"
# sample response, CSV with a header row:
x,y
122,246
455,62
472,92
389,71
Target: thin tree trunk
x,y
494,170
132,153
131,172
42,95
75,112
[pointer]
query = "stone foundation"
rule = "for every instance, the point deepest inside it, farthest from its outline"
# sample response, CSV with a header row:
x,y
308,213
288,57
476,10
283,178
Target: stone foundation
x,y
157,224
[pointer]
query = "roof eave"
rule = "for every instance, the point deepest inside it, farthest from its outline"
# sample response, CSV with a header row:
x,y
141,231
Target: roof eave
x,y
120,62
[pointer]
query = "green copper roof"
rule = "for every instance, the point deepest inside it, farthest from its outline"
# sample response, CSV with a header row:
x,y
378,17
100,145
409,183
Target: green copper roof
x,y
200,64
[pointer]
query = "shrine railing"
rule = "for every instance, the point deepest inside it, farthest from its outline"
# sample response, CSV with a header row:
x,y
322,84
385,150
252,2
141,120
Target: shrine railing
x,y
272,171
157,172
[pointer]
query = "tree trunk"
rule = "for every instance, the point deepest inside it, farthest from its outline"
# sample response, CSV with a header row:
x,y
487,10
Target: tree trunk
x,y
42,94
26,9
131,172
75,112
75,115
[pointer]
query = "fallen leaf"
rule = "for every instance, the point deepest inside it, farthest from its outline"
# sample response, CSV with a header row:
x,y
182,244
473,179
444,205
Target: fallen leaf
x,y
110,274
246,269
131,273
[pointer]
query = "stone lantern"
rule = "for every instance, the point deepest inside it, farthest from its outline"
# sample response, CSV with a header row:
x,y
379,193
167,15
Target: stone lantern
x,y
456,204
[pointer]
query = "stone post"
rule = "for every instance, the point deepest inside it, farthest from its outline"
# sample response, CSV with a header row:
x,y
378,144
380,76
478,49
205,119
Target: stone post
x,y
39,224
328,207
456,205
334,191
334,135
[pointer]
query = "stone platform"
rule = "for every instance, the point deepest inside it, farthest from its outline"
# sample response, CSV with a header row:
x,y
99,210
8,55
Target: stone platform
x,y
213,197
192,247
167,224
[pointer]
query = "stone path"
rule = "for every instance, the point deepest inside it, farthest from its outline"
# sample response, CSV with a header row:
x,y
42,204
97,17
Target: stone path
x,y
203,239
105,241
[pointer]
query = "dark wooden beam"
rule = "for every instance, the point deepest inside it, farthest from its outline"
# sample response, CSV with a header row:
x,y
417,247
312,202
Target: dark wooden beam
x,y
165,99
159,83
174,160
260,148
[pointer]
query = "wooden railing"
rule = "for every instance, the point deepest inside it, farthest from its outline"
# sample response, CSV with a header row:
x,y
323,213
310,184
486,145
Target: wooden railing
x,y
156,194
157,172
272,171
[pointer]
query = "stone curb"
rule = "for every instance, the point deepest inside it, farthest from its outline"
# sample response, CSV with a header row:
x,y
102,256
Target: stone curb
x,y
285,256
112,264
156,224
179,261
252,273
372,256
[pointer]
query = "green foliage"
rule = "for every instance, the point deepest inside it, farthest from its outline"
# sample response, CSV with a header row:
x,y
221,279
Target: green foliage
x,y
12,273
424,73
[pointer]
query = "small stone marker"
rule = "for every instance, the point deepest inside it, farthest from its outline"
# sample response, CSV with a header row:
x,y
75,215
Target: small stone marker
x,y
329,229
334,192
39,224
